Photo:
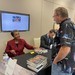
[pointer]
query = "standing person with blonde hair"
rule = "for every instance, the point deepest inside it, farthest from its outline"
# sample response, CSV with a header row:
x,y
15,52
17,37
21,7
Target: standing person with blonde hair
x,y
64,62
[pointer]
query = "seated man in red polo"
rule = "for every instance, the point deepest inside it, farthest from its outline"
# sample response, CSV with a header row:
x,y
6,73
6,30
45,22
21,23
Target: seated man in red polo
x,y
16,46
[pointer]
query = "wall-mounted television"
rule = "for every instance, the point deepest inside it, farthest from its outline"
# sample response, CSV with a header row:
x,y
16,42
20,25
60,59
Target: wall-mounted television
x,y
10,21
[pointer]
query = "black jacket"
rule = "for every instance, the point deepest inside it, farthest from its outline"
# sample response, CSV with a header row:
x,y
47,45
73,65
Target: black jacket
x,y
45,42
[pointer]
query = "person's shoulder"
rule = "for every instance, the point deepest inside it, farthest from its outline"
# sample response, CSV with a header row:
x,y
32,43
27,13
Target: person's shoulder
x,y
10,41
68,22
22,40
44,35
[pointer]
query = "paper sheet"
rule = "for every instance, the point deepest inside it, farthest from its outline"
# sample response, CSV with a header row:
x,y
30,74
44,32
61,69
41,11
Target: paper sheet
x,y
10,67
22,71
14,69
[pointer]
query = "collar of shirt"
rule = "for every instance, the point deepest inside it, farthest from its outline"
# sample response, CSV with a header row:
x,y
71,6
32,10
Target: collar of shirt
x,y
64,21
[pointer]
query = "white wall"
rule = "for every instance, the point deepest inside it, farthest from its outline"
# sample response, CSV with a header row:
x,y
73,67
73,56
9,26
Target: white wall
x,y
41,20
32,7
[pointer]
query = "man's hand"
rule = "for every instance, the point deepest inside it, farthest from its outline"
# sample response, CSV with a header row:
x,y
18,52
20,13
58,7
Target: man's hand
x,y
63,52
54,62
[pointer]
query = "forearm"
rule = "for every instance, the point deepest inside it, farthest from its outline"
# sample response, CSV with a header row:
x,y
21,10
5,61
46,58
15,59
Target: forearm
x,y
26,45
29,47
63,52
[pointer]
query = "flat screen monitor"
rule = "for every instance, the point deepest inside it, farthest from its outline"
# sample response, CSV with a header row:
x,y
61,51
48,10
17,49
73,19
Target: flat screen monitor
x,y
14,21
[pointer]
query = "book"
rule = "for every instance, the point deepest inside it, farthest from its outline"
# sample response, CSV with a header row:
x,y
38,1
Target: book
x,y
37,63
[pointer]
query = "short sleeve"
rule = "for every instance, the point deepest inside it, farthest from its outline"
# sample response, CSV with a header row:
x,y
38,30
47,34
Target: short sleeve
x,y
66,35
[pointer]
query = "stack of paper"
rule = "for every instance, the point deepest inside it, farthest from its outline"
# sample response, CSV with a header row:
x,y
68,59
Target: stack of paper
x,y
10,67
2,68
37,63
13,68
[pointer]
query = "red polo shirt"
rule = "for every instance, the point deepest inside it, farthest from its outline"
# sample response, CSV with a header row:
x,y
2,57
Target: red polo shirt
x,y
11,45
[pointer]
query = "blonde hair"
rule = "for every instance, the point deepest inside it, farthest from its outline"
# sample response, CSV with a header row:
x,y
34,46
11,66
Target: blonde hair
x,y
61,11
